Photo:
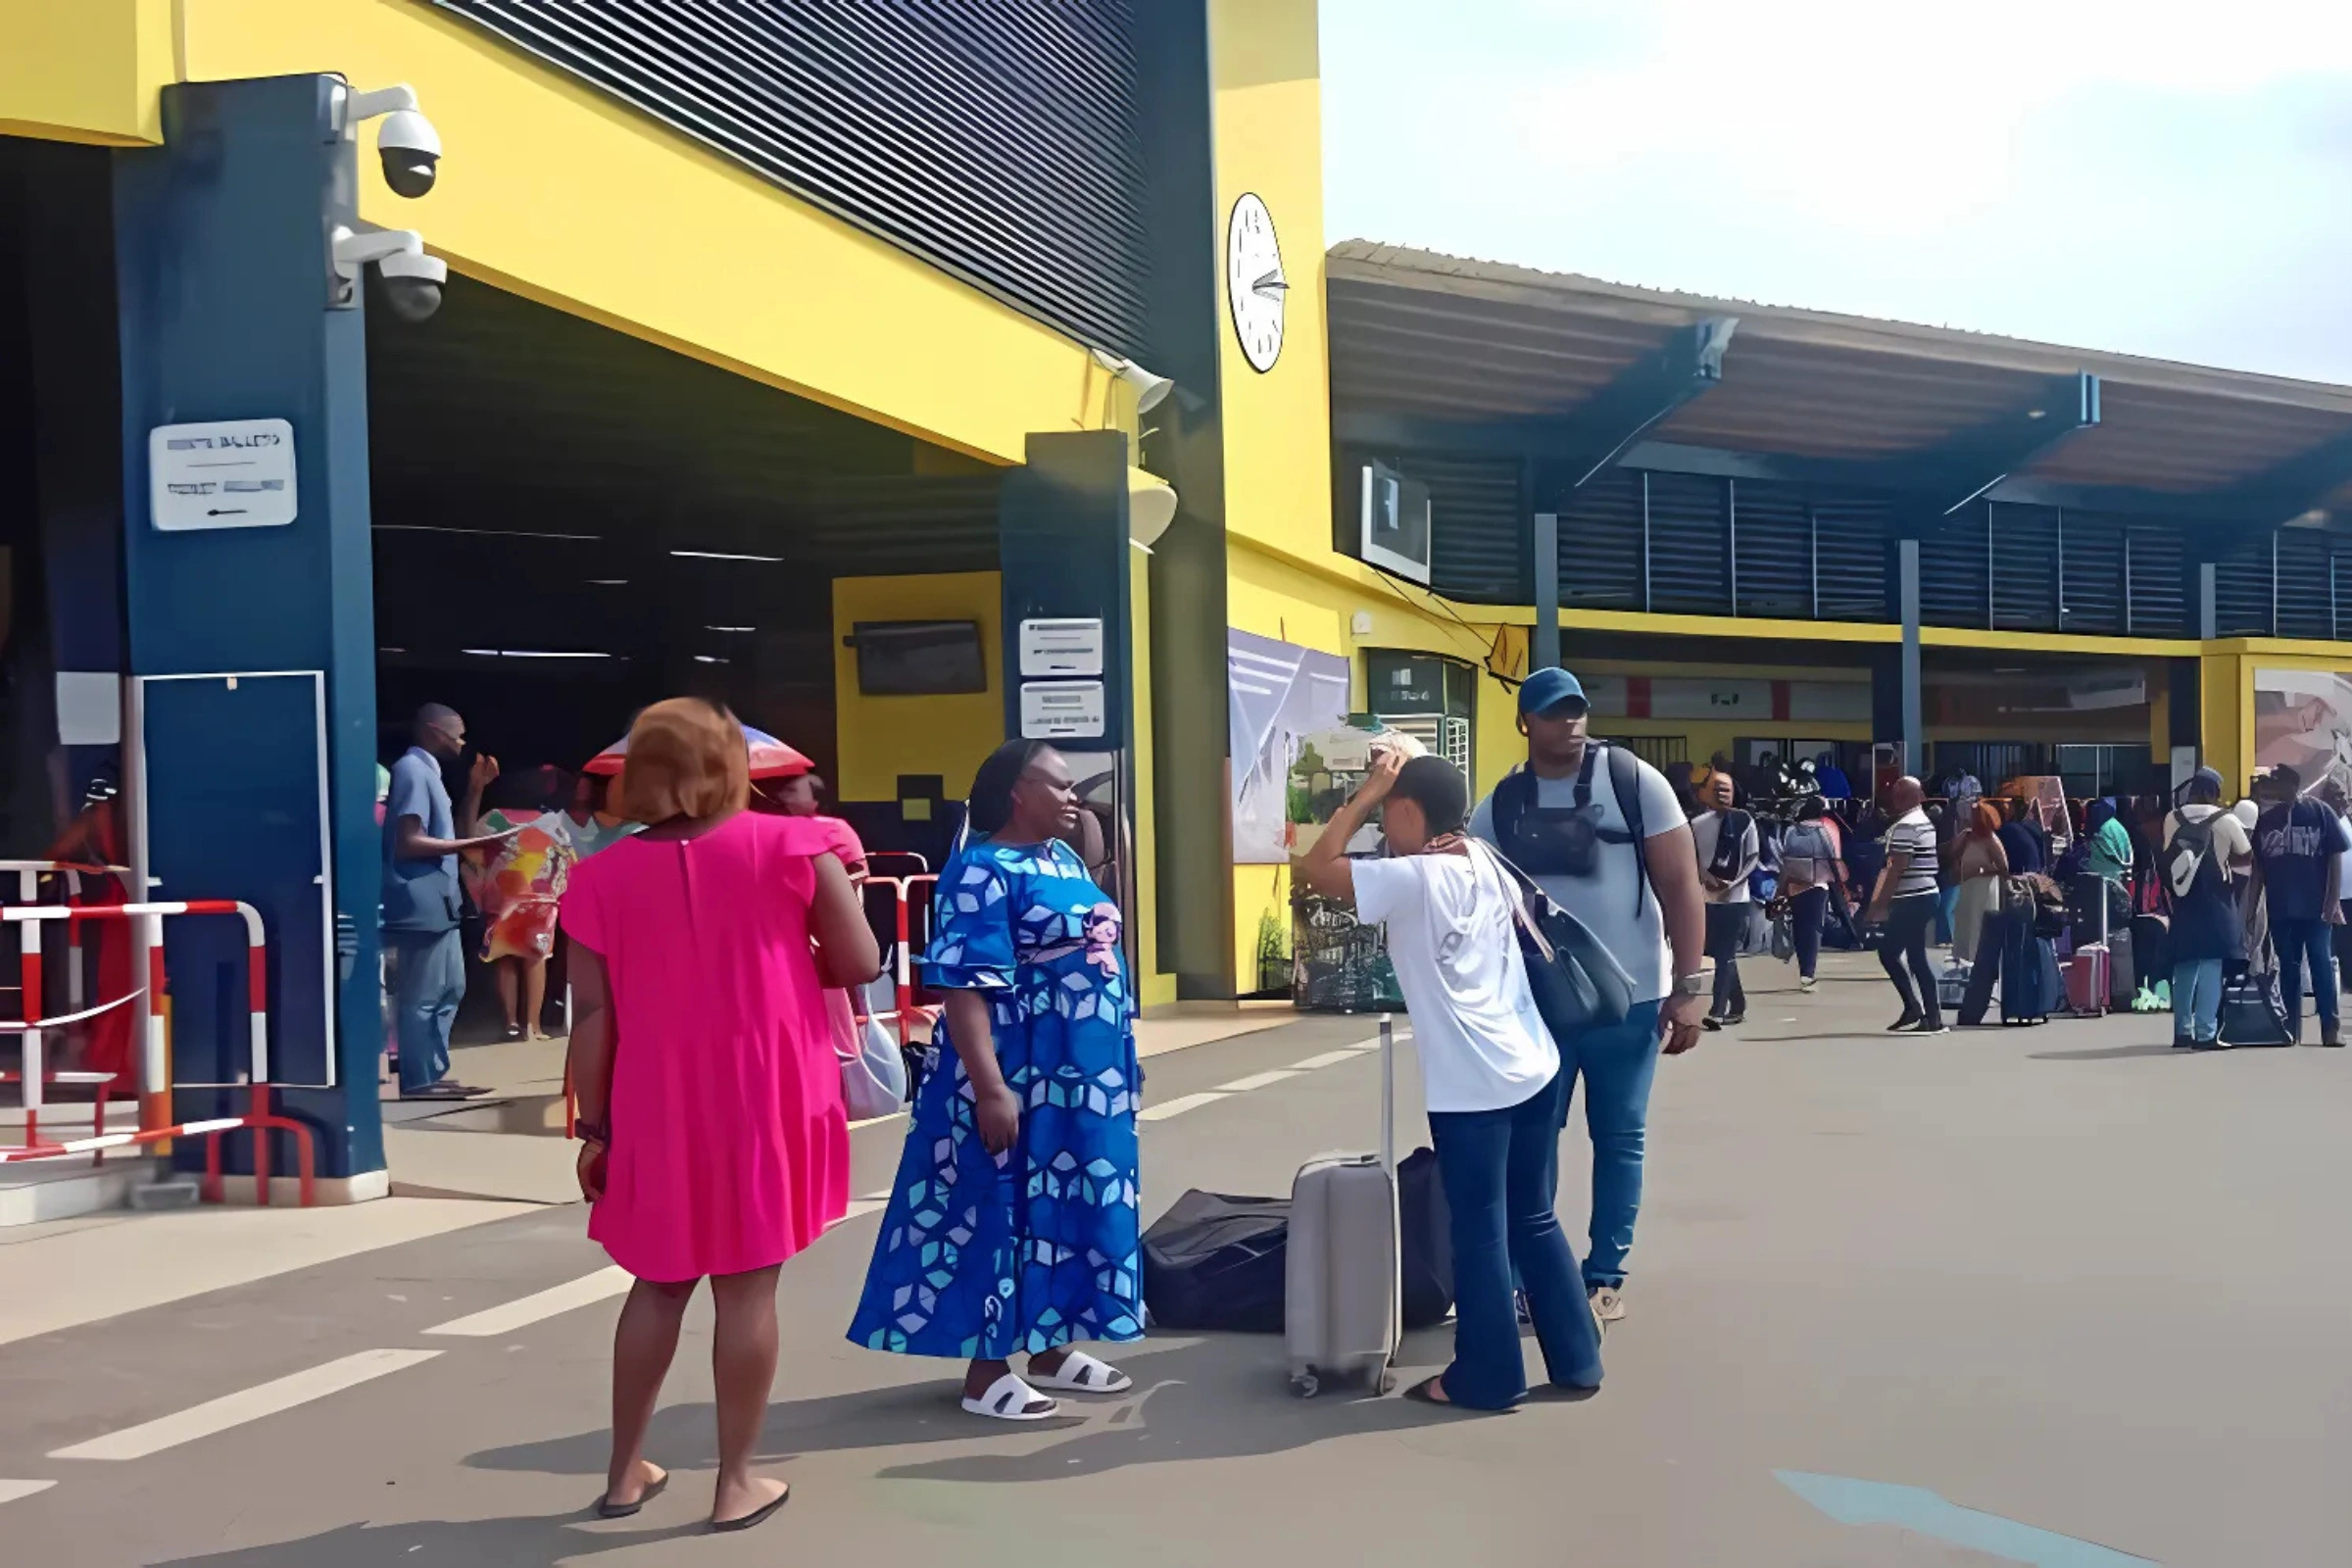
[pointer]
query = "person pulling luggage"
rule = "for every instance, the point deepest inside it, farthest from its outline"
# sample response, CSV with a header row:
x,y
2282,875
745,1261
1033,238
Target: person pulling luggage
x,y
1491,1073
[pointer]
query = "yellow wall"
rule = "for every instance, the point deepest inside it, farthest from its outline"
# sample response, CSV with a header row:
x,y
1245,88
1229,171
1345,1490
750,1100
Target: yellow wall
x,y
883,737
84,70
1269,140
559,193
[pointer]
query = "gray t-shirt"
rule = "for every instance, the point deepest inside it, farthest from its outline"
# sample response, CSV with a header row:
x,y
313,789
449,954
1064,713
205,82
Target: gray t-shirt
x,y
1605,901
418,895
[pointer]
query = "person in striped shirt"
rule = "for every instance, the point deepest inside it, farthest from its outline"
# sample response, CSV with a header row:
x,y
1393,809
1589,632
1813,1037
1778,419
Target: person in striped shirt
x,y
1903,907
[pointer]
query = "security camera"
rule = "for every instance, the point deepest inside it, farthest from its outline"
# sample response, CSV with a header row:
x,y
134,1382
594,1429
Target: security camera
x,y
412,280
407,141
411,150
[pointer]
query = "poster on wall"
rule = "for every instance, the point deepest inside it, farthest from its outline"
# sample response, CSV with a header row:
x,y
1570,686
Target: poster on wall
x,y
1276,694
2303,719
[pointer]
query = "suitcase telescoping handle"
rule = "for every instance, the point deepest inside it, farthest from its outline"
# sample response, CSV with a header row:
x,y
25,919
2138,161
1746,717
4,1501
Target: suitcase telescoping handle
x,y
1387,1096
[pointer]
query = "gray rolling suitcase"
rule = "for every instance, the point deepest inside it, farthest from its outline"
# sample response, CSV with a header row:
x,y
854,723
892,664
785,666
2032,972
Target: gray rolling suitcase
x,y
1343,1285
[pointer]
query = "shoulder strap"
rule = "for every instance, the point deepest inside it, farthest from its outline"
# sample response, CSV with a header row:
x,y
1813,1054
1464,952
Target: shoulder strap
x,y
1625,782
1511,797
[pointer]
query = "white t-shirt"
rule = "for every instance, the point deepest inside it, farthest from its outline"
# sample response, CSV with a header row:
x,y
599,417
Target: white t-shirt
x,y
1706,836
1483,1045
1605,901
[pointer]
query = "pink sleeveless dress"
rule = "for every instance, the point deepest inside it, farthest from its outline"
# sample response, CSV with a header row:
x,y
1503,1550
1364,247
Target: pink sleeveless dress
x,y
730,1149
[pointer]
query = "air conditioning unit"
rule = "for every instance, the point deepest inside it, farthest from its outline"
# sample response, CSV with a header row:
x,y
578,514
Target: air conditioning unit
x,y
1396,524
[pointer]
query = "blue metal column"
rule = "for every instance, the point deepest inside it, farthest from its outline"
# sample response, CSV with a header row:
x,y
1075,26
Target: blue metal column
x,y
223,260
1915,762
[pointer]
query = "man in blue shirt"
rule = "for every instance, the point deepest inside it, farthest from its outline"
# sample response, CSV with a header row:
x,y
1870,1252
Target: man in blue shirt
x,y
2296,842
421,905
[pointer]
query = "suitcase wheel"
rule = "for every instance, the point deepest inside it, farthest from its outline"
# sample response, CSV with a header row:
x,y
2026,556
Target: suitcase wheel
x,y
1307,1384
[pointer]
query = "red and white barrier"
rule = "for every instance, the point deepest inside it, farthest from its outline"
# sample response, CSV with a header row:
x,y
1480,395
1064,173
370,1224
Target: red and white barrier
x,y
910,1008
259,1116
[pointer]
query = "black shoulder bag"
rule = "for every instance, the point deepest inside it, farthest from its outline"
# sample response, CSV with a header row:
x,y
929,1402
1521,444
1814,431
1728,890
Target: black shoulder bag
x,y
1577,982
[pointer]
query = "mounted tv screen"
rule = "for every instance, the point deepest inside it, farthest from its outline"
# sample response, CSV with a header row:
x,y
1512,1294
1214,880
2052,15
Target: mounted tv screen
x,y
918,658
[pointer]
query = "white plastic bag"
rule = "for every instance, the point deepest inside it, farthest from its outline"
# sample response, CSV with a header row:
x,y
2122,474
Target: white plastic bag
x,y
873,1082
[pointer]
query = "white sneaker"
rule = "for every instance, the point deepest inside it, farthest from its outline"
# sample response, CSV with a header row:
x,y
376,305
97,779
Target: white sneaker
x,y
1807,982
1608,1303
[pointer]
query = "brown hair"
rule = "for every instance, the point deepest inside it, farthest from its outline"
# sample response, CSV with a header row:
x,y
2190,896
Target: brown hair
x,y
687,757
1984,820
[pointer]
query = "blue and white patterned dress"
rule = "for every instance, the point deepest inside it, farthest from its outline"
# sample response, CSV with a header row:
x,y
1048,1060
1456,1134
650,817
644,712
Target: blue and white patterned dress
x,y
982,1255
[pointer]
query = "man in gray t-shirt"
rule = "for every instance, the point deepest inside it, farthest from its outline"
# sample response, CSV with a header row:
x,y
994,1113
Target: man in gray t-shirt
x,y
421,902
1654,924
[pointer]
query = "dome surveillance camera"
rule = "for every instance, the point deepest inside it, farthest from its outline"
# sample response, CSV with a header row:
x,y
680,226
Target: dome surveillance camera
x,y
411,150
412,279
413,284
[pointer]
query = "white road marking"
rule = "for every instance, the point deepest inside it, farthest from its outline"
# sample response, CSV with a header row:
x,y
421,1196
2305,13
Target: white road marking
x,y
864,1205
247,1405
1176,1107
586,1290
1256,1080
11,1491
1329,1058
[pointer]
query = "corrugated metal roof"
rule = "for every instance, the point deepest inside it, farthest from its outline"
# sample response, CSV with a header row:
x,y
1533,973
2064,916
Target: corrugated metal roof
x,y
1447,338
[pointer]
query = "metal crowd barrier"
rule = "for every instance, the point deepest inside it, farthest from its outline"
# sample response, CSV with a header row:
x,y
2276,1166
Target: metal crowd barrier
x,y
259,1115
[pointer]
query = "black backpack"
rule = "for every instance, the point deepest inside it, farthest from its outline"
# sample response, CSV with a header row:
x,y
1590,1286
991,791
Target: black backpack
x,y
2189,864
1515,797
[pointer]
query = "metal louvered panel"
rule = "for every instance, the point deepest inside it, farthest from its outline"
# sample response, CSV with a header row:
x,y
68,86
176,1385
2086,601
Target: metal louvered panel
x,y
2241,588
1603,562
1689,546
1772,550
1954,589
2304,590
1849,553
1477,532
999,141
2024,567
2090,574
2155,584
2339,592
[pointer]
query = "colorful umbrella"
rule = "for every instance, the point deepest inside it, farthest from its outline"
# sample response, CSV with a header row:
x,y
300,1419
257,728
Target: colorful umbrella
x,y
771,757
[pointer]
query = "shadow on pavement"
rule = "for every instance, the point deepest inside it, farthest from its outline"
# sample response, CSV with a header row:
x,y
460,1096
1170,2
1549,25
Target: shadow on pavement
x,y
2160,1047
450,1542
1207,1398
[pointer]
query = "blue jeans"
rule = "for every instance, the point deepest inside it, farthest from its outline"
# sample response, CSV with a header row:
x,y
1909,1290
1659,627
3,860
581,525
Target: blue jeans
x,y
1500,1169
1617,1064
2197,1000
428,981
1948,905
1806,911
2296,941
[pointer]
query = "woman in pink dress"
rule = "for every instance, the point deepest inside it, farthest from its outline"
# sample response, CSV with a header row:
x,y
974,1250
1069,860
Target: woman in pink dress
x,y
710,1097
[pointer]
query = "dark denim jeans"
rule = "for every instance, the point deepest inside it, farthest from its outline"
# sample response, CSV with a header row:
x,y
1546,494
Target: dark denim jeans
x,y
1806,911
2299,942
1500,1169
1905,942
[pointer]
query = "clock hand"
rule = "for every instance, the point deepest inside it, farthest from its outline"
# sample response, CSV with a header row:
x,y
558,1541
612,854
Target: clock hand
x,y
1271,283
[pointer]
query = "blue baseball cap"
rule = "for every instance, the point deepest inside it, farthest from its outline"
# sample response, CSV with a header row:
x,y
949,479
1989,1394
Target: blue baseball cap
x,y
1546,689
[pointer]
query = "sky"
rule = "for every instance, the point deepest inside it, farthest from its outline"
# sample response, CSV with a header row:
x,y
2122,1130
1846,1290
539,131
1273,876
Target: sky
x,y
2162,179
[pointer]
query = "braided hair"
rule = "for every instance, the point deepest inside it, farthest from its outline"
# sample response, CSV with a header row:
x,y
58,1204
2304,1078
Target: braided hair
x,y
989,807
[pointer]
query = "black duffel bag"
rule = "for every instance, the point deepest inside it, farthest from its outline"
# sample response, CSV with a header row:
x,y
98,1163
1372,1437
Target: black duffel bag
x,y
1214,1261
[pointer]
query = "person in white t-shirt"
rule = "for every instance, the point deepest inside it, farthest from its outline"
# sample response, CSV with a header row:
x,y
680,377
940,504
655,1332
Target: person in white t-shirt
x,y
1489,1070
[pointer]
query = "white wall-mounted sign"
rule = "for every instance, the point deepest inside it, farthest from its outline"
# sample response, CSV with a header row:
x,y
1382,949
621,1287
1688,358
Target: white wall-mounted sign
x,y
1062,710
233,473
1069,647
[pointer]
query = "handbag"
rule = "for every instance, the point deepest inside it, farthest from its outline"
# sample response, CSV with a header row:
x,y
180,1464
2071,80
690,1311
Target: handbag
x,y
873,1078
1577,981
1784,940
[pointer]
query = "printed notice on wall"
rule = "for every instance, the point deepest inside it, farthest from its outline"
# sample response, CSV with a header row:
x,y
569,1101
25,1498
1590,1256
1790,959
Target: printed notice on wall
x,y
233,473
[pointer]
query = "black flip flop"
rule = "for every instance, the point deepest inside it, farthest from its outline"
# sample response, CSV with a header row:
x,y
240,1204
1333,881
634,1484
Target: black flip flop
x,y
757,1516
607,1508
1420,1394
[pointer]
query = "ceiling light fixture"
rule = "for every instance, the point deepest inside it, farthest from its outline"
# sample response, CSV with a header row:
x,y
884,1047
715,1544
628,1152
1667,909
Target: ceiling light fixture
x,y
731,628
528,653
710,658
485,533
718,554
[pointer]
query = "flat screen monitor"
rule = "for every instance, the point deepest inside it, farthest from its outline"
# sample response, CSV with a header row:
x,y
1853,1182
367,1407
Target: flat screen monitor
x,y
918,658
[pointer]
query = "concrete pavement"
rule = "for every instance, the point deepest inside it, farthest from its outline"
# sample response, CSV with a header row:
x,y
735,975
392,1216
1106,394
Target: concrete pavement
x,y
2060,1275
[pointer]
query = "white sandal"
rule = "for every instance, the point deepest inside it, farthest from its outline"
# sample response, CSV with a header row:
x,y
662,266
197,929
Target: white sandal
x,y
1008,1398
1081,1373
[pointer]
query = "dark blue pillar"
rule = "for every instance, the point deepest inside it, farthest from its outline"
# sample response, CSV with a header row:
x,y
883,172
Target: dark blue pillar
x,y
222,259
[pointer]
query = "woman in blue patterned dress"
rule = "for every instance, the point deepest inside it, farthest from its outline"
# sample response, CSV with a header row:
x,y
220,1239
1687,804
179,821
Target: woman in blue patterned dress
x,y
1012,1226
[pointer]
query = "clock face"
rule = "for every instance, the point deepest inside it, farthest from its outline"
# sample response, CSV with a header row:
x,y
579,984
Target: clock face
x,y
1254,282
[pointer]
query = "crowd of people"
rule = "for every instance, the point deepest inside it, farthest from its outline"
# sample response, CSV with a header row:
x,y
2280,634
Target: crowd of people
x,y
714,930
